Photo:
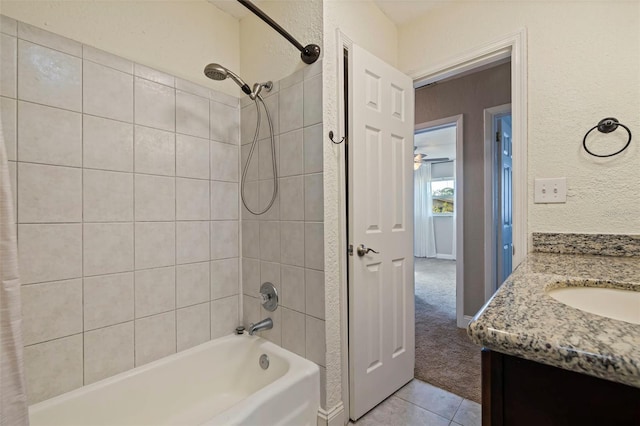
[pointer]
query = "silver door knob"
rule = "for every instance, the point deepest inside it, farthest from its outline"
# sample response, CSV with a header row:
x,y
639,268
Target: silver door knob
x,y
362,250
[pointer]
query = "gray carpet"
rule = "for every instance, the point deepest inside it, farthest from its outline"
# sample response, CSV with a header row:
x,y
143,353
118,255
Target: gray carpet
x,y
445,357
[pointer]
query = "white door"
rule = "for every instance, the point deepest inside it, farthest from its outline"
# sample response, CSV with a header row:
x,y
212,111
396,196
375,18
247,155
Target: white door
x,y
381,285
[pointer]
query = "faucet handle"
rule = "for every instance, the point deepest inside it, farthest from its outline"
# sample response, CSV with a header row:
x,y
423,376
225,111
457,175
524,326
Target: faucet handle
x,y
269,296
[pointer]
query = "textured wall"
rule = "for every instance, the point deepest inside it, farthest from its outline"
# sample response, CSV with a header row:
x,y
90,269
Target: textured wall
x,y
583,65
469,95
356,20
126,182
265,54
178,37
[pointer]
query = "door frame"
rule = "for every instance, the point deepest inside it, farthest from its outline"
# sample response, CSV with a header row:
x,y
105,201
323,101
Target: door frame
x,y
490,197
512,45
458,121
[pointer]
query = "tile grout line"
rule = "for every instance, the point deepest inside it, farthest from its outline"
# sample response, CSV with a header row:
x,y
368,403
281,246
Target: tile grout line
x,y
457,409
82,207
134,169
175,223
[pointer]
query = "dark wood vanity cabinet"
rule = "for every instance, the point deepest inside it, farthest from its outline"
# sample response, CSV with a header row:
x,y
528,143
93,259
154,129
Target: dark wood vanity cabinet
x,y
518,392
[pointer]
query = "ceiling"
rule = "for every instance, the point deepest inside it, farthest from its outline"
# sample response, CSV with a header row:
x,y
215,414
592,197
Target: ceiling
x,y
398,11
439,143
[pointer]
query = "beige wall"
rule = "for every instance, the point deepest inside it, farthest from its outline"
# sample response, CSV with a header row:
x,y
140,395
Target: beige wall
x,y
583,65
469,95
265,54
178,37
368,27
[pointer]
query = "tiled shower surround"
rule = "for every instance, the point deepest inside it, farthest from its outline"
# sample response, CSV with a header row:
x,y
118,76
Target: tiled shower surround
x,y
126,182
127,209
285,246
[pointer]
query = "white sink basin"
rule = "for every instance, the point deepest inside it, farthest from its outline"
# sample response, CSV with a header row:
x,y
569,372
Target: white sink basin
x,y
621,305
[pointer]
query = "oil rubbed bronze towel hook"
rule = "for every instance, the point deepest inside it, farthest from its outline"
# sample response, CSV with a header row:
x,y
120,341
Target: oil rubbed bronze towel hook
x,y
334,141
607,125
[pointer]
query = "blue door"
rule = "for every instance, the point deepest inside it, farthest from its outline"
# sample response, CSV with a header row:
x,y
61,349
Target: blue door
x,y
505,202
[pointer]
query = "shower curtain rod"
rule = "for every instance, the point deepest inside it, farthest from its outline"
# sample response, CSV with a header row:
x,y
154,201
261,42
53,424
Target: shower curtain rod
x,y
309,53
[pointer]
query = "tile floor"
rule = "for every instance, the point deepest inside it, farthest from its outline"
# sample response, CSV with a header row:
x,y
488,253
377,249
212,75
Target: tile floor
x,y
419,403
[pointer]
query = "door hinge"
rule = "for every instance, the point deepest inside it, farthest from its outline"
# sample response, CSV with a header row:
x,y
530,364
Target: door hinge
x,y
513,250
497,136
350,250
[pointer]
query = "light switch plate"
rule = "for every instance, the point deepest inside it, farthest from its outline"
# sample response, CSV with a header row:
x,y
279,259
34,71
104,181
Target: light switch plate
x,y
553,190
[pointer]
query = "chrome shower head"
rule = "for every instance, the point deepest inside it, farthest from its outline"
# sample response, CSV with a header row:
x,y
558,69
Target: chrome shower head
x,y
218,72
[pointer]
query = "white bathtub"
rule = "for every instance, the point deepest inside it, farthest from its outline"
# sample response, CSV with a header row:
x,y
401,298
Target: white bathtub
x,y
216,383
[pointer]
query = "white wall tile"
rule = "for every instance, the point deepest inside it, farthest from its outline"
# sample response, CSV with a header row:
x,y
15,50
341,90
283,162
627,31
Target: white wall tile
x,y
251,239
265,195
108,196
49,135
49,252
155,291
49,77
225,123
48,39
221,97
193,88
8,65
313,100
224,239
292,79
275,334
108,300
313,69
9,115
13,177
107,92
292,198
224,316
108,248
250,311
270,273
104,58
316,346
155,337
273,104
314,282
313,149
155,105
193,326
53,367
192,157
155,244
291,108
51,310
250,192
293,288
265,157
192,115
224,162
224,278
155,151
224,200
155,198
314,198
107,352
250,277
49,194
270,241
254,165
292,241
248,117
192,199
154,75
291,153
192,242
107,144
314,245
293,331
192,284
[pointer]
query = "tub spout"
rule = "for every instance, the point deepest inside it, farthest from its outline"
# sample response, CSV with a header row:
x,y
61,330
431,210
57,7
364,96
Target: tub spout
x,y
265,324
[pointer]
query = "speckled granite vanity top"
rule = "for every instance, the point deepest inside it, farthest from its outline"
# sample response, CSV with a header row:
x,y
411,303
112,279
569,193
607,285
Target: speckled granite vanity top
x,y
521,319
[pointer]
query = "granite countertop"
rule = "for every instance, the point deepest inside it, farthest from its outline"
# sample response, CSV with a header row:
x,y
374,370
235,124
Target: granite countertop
x,y
522,320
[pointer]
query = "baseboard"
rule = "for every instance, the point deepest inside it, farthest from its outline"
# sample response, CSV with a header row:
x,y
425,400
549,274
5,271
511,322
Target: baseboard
x,y
445,256
333,417
464,322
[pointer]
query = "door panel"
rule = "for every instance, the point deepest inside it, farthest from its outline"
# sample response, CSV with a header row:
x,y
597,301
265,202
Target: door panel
x,y
506,200
381,304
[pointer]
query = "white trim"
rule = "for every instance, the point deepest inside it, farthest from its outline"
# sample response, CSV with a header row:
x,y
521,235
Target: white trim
x,y
514,44
459,205
445,256
465,321
490,213
333,417
343,42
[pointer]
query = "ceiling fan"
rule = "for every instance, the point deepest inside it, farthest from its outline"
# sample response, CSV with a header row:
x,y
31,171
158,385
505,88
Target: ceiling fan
x,y
418,159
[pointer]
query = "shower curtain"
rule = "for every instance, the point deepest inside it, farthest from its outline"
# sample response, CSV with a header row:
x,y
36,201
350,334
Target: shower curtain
x,y
13,397
424,235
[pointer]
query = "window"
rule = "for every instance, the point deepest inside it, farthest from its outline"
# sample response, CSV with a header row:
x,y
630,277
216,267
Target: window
x,y
443,196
